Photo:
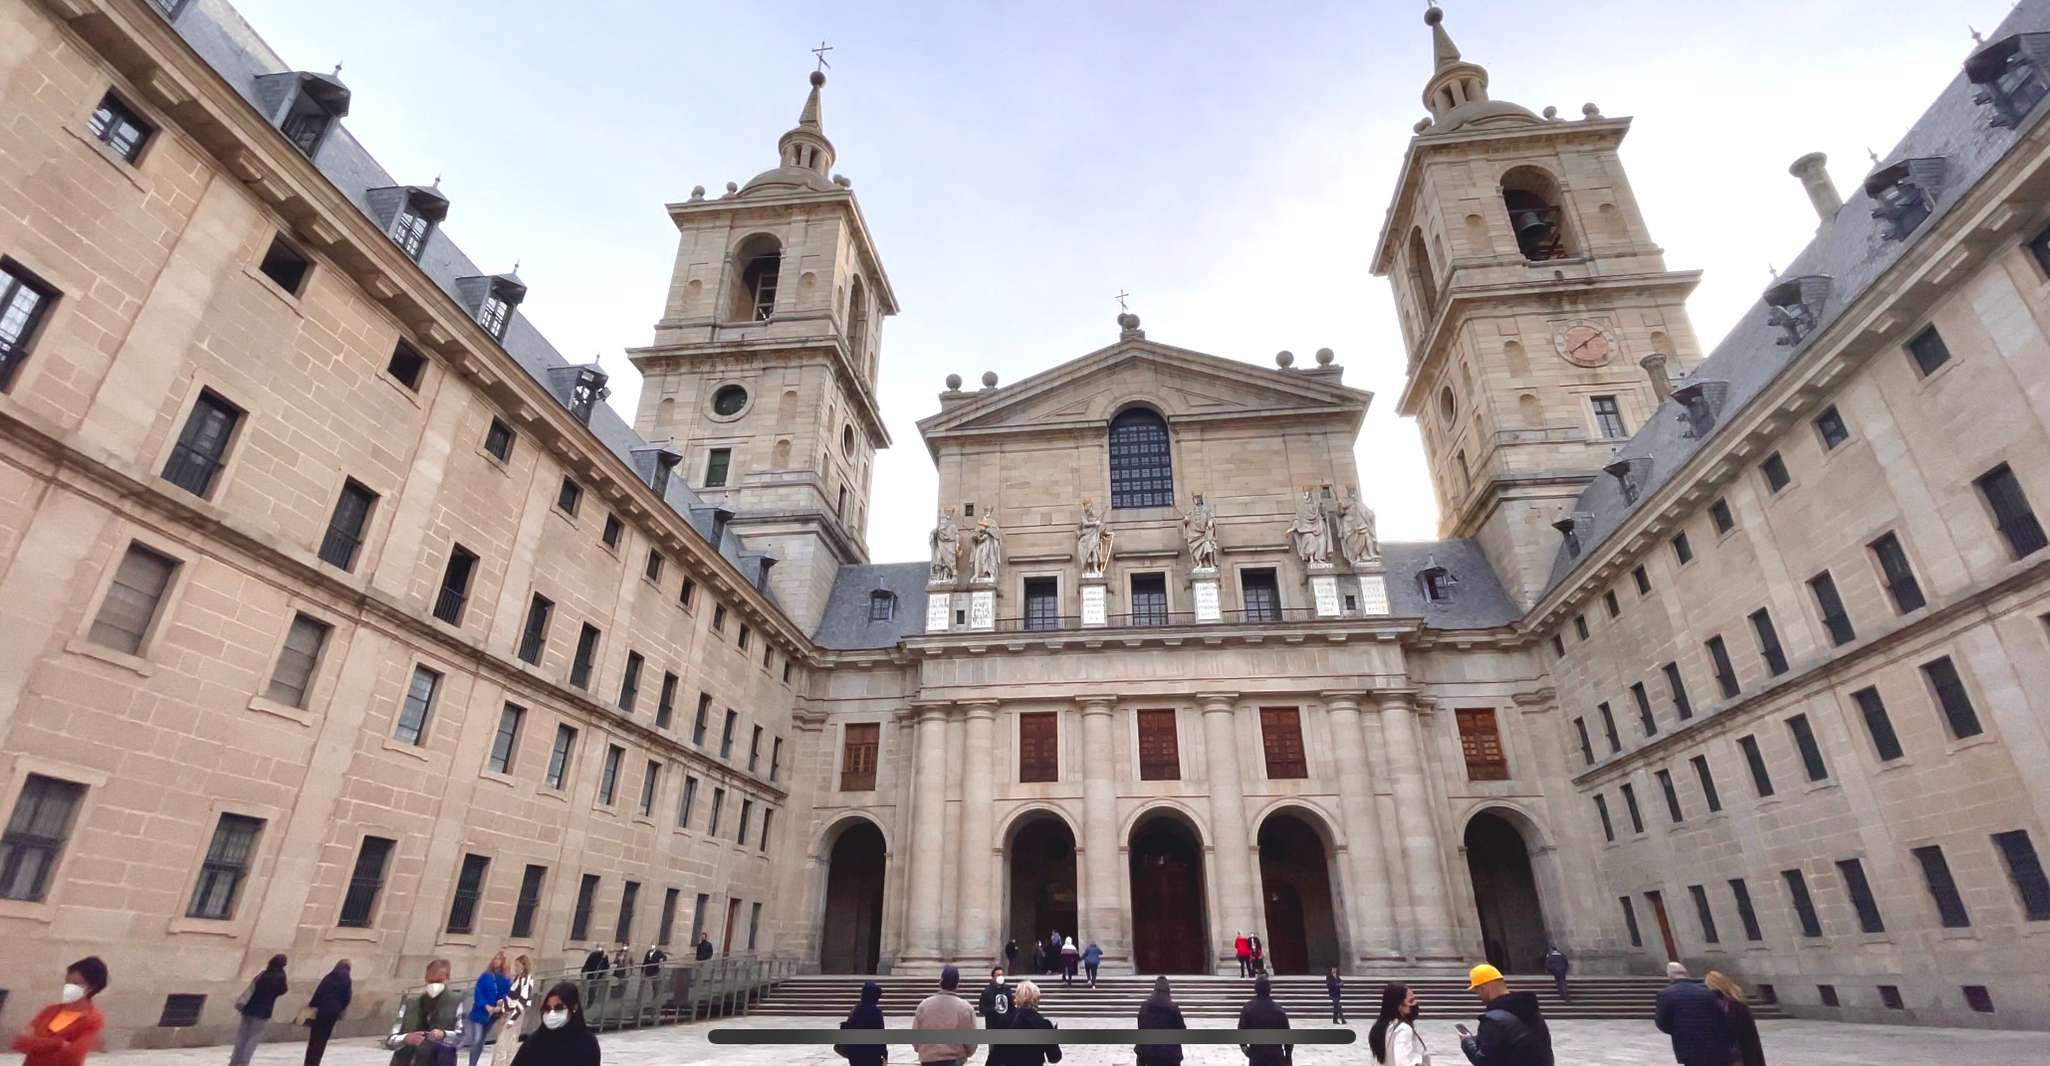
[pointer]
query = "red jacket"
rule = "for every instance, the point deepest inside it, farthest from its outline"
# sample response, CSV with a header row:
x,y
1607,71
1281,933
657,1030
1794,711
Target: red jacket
x,y
1242,947
66,1047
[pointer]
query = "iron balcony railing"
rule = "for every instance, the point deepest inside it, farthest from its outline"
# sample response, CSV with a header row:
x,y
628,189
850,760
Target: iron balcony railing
x,y
449,605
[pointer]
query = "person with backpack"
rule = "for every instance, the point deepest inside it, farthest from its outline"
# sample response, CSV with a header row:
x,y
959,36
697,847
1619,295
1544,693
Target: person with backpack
x,y
1512,1029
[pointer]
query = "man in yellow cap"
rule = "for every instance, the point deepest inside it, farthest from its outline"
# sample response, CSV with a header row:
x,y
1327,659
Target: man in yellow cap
x,y
1512,1032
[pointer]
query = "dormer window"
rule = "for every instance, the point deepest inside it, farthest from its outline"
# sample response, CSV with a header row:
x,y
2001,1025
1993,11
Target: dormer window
x,y
1700,403
665,464
586,393
1437,583
1629,475
1795,305
1570,527
494,315
1904,193
882,605
720,517
493,299
305,106
416,219
2009,74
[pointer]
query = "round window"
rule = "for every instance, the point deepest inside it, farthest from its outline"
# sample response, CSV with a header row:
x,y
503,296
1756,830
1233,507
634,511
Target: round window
x,y
847,440
1447,406
729,400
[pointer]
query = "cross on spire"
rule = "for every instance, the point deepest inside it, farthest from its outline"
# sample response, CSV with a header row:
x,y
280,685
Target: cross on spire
x,y
820,52
1121,299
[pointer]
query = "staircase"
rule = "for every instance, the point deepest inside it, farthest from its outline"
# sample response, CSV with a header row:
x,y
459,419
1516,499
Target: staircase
x,y
819,995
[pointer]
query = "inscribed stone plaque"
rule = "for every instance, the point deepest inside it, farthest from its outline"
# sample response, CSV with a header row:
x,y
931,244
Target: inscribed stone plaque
x,y
1205,589
982,609
1373,594
1325,586
939,610
1093,605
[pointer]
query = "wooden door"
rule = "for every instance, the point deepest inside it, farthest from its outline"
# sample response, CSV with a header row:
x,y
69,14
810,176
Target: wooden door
x,y
1288,937
732,912
1167,908
1658,910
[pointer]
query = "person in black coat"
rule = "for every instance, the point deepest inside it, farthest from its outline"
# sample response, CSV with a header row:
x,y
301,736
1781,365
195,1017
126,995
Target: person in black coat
x,y
255,1006
1261,1012
1692,1014
1026,1016
1745,1048
1334,987
1556,965
867,1014
704,946
1011,954
996,1002
1512,1029
563,1039
330,1001
1160,1012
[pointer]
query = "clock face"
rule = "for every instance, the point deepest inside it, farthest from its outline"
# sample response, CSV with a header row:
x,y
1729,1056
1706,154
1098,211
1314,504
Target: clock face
x,y
1584,345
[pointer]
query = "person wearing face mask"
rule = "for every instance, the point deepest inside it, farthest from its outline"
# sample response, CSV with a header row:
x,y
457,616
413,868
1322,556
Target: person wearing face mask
x,y
429,1023
563,1039
61,1033
1394,1040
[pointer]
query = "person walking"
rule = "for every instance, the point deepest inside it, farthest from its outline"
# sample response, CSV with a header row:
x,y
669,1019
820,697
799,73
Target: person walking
x,y
1071,957
595,965
1092,957
1693,1015
1745,1047
651,963
867,1014
1038,957
1259,952
62,1033
704,946
429,1022
996,1002
1243,948
1334,986
564,1038
1556,965
1261,1012
1159,1012
487,1002
1026,1017
944,1010
1512,1029
255,1005
1053,951
330,1001
1394,1040
519,996
1011,954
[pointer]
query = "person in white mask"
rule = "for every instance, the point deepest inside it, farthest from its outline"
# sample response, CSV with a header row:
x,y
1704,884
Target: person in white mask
x,y
61,1033
429,1020
563,1039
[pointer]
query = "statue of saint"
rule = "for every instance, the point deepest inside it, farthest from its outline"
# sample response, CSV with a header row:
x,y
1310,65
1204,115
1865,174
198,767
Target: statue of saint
x,y
1311,532
946,548
988,551
1199,532
1356,536
1093,541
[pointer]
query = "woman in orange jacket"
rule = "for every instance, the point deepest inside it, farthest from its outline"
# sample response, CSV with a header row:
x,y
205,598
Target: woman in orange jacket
x,y
62,1033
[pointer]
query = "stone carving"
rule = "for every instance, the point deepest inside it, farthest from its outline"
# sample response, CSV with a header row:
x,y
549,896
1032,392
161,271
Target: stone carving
x,y
987,552
946,548
1093,541
1311,533
1357,539
1199,532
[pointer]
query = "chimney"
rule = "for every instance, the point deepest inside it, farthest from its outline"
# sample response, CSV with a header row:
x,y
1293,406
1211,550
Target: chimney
x,y
1814,175
1655,368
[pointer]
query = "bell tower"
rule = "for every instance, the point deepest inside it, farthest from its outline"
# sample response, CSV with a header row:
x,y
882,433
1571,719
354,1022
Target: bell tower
x,y
763,368
1540,321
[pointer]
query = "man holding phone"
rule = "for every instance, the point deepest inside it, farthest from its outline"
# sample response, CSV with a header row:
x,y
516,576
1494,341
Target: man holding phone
x,y
1512,1031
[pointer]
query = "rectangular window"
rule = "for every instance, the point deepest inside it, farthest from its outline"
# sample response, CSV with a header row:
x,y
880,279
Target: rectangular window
x,y
1768,642
703,720
664,931
1898,574
1927,351
1610,604
587,653
418,706
366,881
858,747
225,867
754,923
305,125
1853,873
285,265
1804,742
580,918
1642,580
462,910
1042,603
740,642
653,569
1261,595
2031,888
1480,741
529,901
1678,688
768,816
665,707
754,749
630,682
697,916
1038,747
1725,674
406,366
1755,759
1681,550
747,813
1741,892
1149,599
1877,723
2011,512
130,607
775,758
1609,727
608,774
1704,914
1644,715
1281,735
719,618
1835,618
1978,997
117,126
292,676
570,496
614,529
24,303
718,806
1804,905
1601,810
1586,748
651,782
1630,922
493,314
1829,426
1950,907
1580,626
717,462
202,447
559,757
1890,997
409,231
1775,470
1558,647
687,594
534,638
455,585
505,741
2039,249
630,895
1720,515
344,535
498,440
687,806
1665,778
1608,417
1956,704
1706,778
1827,994
1630,807
726,735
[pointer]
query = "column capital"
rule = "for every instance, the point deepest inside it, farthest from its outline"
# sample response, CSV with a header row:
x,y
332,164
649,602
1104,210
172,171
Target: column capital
x,y
1217,702
1394,699
1348,699
1542,697
974,709
1097,704
928,710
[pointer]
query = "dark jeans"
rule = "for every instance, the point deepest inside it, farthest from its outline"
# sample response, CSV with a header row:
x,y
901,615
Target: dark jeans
x,y
1245,966
1559,982
1337,1010
316,1038
1092,975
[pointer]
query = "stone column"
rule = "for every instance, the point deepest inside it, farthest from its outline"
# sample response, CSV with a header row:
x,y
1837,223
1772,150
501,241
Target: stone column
x,y
975,928
928,845
1233,876
1416,829
1105,920
1366,885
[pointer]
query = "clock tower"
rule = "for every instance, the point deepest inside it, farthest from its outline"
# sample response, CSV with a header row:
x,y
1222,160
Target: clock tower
x,y
1540,321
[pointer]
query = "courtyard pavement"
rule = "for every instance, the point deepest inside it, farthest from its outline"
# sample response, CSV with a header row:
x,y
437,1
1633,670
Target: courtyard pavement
x,y
1577,1043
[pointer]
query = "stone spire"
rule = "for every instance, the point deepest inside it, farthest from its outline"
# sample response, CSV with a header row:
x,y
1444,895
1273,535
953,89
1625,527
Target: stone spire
x,y
1442,49
805,146
1458,90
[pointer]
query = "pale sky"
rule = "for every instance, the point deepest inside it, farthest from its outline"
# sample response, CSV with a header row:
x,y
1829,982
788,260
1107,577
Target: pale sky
x,y
1019,164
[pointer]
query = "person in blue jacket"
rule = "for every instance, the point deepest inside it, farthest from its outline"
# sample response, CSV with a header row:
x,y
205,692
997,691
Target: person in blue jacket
x,y
1092,957
487,1002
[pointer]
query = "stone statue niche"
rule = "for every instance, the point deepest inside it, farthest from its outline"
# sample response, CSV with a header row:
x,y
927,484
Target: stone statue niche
x,y
1311,533
1199,534
1358,540
1093,541
946,549
986,559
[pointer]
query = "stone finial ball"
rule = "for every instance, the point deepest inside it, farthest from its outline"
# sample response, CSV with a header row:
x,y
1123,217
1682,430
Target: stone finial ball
x,y
1128,320
732,187
1590,110
1284,358
953,382
843,181
818,78
1550,112
1422,124
989,379
697,192
1433,16
1325,356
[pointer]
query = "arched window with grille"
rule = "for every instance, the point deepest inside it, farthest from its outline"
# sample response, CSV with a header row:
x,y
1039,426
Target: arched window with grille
x,y
1141,461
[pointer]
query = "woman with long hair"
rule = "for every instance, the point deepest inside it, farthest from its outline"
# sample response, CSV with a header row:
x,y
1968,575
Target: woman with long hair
x,y
563,1039
1394,1039
487,1002
1159,1012
1745,1047
519,995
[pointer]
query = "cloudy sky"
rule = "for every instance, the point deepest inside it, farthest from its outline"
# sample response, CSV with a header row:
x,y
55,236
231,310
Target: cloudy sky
x,y
1229,164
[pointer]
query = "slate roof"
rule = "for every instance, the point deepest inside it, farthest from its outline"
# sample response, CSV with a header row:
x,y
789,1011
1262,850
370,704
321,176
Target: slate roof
x,y
226,41
845,625
1852,252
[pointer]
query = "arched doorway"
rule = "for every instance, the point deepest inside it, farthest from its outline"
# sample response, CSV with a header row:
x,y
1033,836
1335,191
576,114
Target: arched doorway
x,y
1168,933
1295,879
1505,893
1042,875
851,935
